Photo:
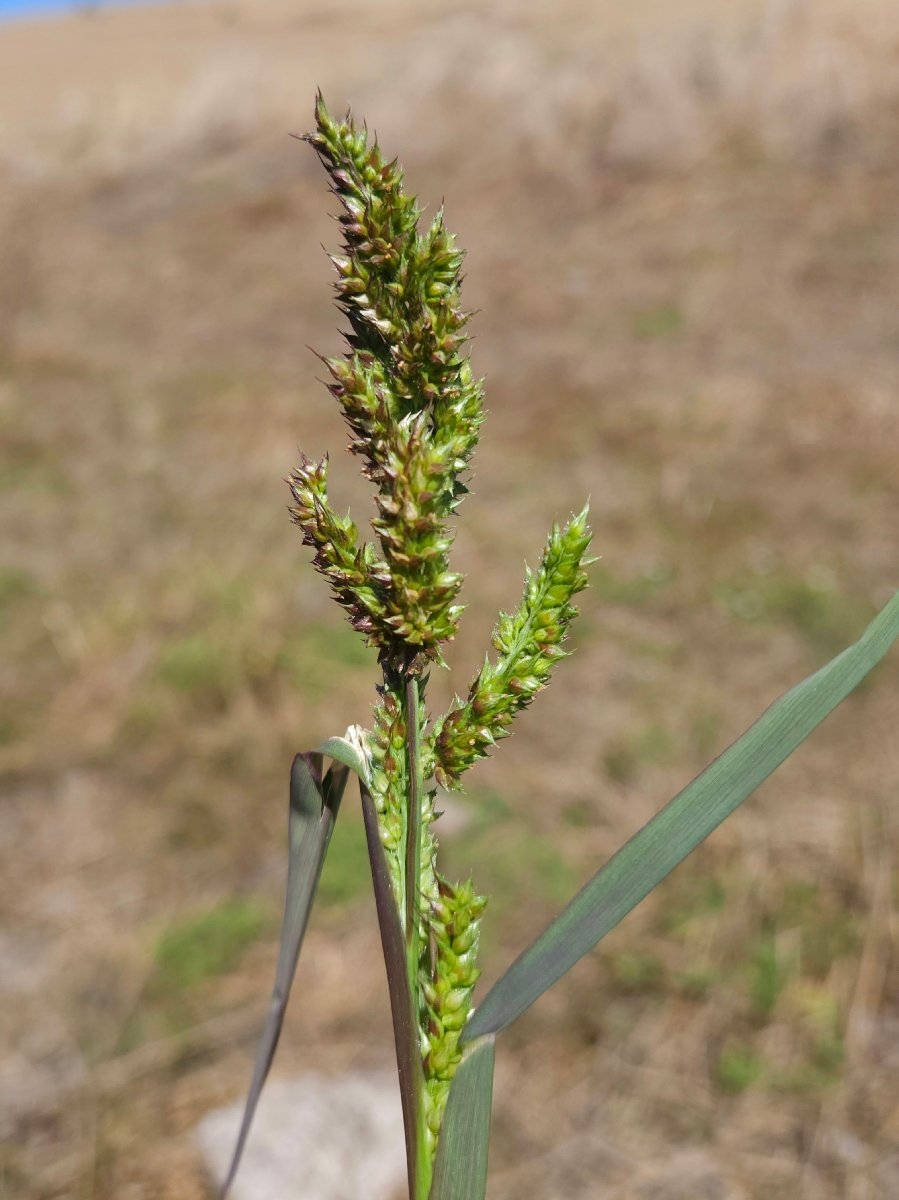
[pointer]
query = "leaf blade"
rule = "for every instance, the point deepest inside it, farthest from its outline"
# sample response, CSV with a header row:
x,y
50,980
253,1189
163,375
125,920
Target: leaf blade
x,y
405,1026
314,803
460,1168
347,750
680,826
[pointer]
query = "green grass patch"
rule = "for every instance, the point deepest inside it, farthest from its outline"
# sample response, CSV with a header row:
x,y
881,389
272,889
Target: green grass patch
x,y
196,825
635,971
808,1079
705,730
657,321
738,1067
15,585
229,596
202,668
690,898
322,653
635,592
143,720
346,874
33,476
819,1071
768,976
335,642
515,867
694,984
203,947
827,619
652,746
522,866
580,814
828,927
230,643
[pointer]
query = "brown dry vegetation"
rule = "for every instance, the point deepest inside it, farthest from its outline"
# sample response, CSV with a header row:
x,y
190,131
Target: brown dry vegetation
x,y
683,239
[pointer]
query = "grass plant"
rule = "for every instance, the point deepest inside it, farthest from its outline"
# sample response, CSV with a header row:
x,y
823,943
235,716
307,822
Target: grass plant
x,y
414,411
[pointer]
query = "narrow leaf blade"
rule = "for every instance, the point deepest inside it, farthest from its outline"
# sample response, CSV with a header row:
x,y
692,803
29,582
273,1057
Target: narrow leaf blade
x,y
347,751
405,1027
675,831
460,1169
314,803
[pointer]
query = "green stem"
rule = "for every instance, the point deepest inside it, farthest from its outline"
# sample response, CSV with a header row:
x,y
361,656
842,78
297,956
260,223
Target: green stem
x,y
412,904
413,826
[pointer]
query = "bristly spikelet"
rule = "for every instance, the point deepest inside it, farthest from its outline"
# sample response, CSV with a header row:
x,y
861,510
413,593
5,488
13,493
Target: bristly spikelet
x,y
405,387
448,988
529,643
389,786
350,569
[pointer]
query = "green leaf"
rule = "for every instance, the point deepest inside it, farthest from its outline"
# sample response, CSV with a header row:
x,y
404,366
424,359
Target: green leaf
x,y
347,751
405,1026
314,803
460,1169
689,818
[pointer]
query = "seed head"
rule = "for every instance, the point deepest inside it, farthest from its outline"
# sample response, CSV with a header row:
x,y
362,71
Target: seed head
x,y
406,390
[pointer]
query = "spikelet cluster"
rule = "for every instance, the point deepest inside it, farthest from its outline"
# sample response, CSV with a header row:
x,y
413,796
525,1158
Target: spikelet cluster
x,y
448,916
350,568
448,985
408,396
389,785
529,643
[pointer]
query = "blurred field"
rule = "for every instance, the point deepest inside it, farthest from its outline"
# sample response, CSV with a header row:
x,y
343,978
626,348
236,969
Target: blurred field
x,y
683,237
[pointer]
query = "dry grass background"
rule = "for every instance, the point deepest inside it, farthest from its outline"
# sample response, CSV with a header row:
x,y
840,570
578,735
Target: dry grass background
x,y
683,239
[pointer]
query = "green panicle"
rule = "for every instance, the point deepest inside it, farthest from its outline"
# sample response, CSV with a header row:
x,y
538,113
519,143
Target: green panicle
x,y
405,386
529,643
448,915
455,915
389,784
414,412
350,568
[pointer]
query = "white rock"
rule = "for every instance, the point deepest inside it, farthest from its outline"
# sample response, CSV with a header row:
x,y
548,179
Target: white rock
x,y
317,1137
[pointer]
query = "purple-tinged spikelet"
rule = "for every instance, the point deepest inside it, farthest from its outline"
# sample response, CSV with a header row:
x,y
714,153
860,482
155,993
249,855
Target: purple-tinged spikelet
x,y
407,393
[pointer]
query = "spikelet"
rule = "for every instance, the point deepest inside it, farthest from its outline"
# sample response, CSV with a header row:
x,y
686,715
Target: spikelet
x,y
529,643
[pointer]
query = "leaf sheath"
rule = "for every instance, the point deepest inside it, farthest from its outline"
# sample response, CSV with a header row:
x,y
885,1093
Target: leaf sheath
x,y
460,1169
405,1025
314,803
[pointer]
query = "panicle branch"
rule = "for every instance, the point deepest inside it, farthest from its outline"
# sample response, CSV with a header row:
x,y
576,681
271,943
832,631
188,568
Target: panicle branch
x,y
529,643
350,568
448,989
